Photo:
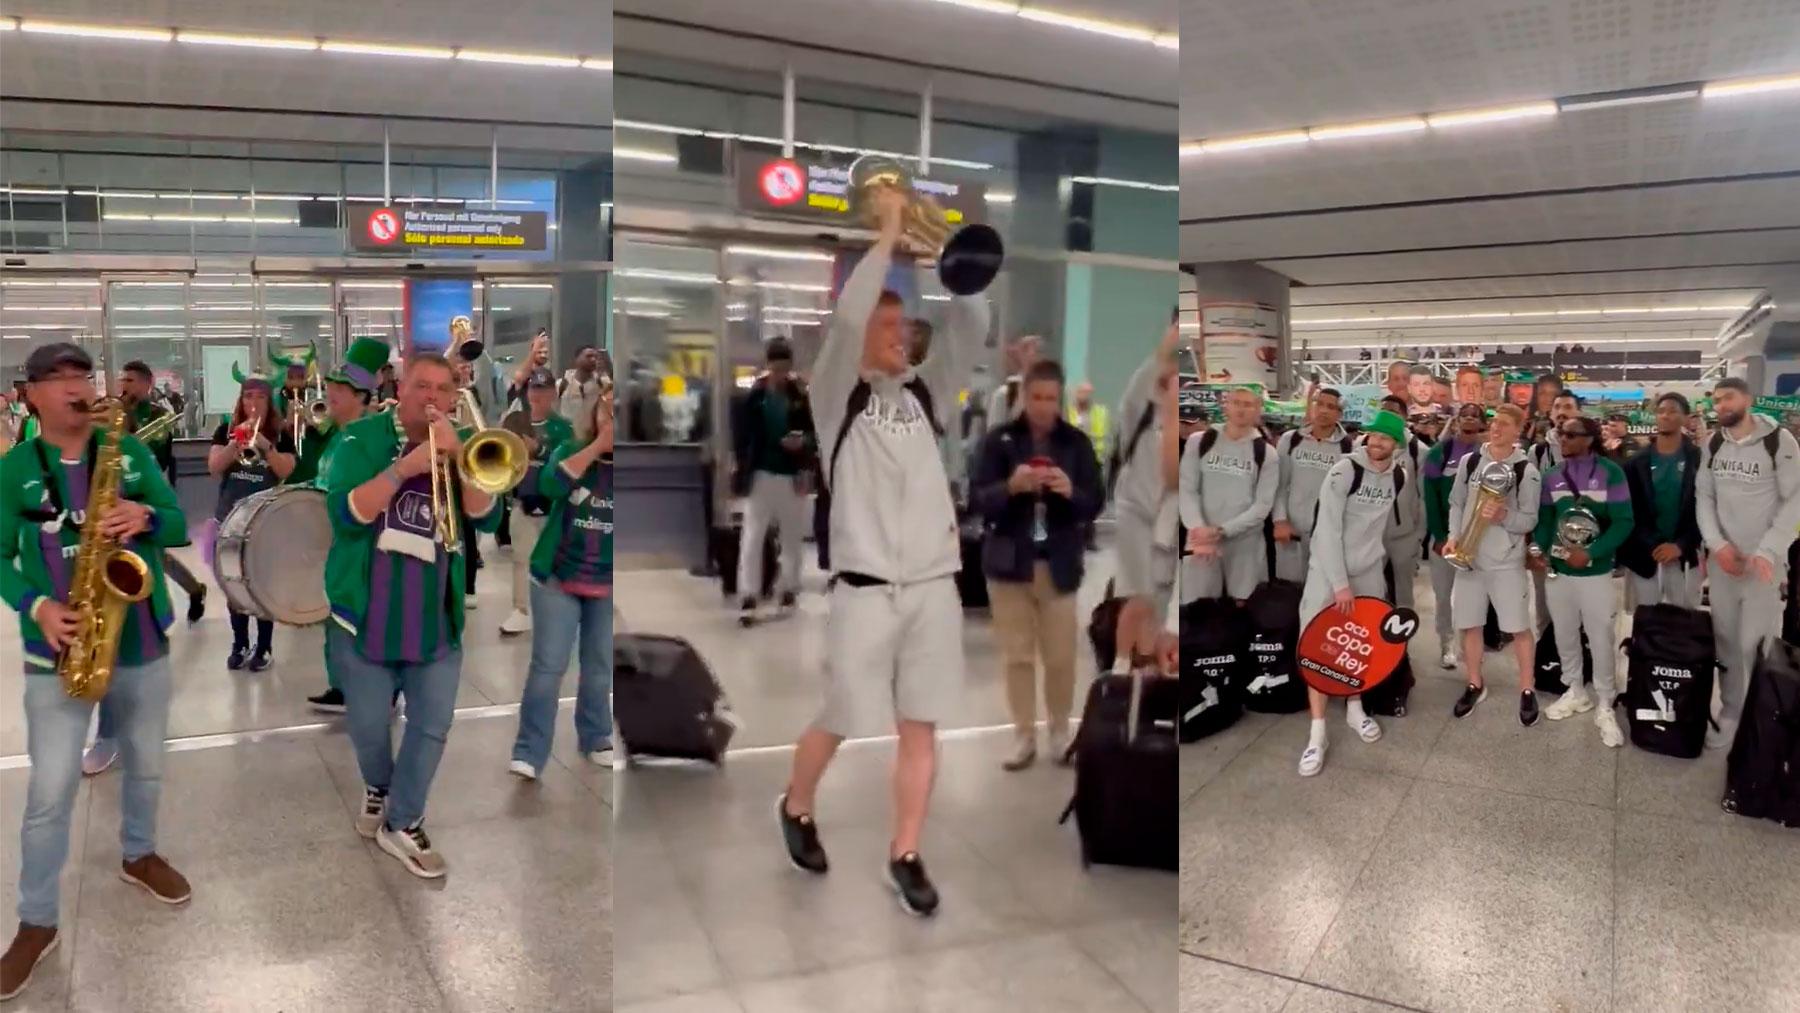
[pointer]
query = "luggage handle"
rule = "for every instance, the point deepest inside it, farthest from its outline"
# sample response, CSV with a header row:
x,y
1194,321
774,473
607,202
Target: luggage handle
x,y
1122,666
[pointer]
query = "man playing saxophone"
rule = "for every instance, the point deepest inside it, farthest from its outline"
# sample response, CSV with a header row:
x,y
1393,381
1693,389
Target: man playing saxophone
x,y
44,495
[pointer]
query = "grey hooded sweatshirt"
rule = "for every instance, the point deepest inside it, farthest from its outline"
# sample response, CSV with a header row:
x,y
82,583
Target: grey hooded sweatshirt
x,y
1502,544
1348,538
1747,500
1226,490
1142,504
891,513
1304,462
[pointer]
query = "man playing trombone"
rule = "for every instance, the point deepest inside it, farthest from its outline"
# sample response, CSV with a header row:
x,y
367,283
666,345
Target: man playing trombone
x,y
396,493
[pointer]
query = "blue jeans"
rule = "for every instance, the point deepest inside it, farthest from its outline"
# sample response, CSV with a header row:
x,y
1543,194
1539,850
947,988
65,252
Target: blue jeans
x,y
369,687
556,618
56,729
109,721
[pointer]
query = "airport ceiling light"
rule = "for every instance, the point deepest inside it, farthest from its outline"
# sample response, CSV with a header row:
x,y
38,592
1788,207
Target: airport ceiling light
x,y
998,197
96,31
244,41
1373,128
1628,97
1250,142
517,59
384,49
644,155
1498,114
1060,19
1751,86
726,135
1129,184
779,253
1515,314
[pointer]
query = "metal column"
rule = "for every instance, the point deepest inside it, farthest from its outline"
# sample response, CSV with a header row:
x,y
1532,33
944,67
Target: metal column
x,y
787,111
925,130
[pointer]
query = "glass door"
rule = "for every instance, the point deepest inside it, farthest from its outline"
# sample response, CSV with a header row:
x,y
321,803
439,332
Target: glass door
x,y
147,321
40,309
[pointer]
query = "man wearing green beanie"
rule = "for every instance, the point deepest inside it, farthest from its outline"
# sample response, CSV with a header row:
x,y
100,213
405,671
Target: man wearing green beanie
x,y
1358,501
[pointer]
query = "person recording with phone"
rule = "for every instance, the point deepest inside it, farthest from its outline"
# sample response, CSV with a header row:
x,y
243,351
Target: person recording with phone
x,y
1037,487
773,453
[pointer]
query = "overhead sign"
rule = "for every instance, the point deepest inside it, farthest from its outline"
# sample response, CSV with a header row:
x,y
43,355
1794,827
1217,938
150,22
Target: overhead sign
x,y
819,191
423,228
1240,342
1347,654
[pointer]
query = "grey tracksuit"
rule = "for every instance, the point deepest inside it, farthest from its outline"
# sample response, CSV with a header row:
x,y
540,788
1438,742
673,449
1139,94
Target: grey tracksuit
x,y
1348,549
1228,491
1405,535
1499,558
1746,500
1144,510
1303,461
1443,575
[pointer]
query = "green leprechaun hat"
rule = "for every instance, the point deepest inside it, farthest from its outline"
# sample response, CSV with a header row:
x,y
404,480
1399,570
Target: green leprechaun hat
x,y
362,364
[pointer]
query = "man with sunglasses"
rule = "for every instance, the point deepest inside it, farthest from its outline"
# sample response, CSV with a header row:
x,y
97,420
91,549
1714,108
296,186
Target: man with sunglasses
x,y
1581,597
1461,438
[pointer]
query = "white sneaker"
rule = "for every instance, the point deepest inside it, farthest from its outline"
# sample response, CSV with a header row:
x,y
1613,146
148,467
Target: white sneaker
x,y
518,622
1024,752
1312,761
1723,736
373,815
1576,701
1448,661
1609,729
414,851
99,756
604,758
1367,728
468,601
522,770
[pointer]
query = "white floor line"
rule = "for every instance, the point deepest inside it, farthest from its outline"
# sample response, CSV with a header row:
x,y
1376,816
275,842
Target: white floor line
x,y
948,734
189,743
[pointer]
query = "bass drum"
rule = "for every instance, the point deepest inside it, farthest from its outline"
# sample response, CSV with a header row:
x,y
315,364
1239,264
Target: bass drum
x,y
270,555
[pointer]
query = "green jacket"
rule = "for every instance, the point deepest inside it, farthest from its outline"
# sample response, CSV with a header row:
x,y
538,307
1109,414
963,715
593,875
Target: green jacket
x,y
24,577
1440,474
1602,487
555,485
366,448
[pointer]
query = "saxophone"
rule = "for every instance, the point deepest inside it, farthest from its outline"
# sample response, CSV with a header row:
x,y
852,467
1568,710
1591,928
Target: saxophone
x,y
108,579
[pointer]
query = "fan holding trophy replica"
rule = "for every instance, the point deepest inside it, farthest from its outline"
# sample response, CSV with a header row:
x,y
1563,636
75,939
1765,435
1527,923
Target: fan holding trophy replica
x,y
1353,639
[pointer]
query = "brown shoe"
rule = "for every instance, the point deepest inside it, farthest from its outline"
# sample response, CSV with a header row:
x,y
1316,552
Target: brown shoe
x,y
28,950
158,877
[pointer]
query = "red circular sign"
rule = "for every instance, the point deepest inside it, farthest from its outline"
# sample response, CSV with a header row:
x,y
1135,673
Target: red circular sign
x,y
782,182
1347,654
384,226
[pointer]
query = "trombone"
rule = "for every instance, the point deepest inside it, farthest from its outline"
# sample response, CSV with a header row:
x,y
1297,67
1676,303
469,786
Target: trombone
x,y
313,413
493,460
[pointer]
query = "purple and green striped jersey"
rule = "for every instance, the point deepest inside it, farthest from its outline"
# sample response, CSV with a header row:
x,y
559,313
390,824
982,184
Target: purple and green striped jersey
x,y
584,553
142,640
407,622
1598,486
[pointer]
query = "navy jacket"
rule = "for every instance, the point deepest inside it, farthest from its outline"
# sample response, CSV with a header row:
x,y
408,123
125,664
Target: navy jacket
x,y
747,431
1007,552
1634,555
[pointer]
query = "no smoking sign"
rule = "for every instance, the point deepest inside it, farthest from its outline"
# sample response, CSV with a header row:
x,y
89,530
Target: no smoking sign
x,y
384,226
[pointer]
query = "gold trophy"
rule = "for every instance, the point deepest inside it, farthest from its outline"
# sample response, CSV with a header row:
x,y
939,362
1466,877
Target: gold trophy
x,y
1493,483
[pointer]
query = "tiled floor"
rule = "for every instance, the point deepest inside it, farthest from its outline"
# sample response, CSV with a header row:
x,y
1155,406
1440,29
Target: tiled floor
x,y
1474,866
712,919
292,911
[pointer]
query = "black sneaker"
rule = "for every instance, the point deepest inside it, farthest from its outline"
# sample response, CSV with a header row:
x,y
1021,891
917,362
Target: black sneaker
x,y
1471,696
329,702
236,661
747,611
801,835
907,876
197,606
1528,708
260,661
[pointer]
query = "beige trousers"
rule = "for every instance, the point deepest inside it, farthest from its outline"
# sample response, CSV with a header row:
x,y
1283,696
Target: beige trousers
x,y
1035,621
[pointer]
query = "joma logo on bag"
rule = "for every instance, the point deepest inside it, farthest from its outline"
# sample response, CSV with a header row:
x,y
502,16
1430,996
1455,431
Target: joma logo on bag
x,y
1217,659
1670,672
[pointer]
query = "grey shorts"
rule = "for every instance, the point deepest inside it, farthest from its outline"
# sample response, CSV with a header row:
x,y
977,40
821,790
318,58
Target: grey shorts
x,y
1508,591
892,653
1241,566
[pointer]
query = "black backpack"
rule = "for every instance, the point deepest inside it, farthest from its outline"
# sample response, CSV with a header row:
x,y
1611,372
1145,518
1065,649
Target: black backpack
x,y
853,406
1669,680
1214,657
1274,685
1771,443
1122,451
1549,676
1760,778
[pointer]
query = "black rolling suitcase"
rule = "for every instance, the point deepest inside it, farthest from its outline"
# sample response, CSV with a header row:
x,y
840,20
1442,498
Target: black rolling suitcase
x,y
1669,680
971,582
1215,655
1127,777
1388,698
1273,614
1548,677
728,542
666,701
1762,775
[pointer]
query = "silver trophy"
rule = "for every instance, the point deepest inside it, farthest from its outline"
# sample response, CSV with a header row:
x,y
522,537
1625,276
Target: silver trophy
x,y
1576,529
1493,483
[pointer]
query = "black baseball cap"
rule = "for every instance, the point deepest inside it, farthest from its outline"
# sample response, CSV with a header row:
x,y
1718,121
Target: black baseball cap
x,y
47,359
540,378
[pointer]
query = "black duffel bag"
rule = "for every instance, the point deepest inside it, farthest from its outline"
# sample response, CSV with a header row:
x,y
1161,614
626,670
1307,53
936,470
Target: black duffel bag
x,y
1549,675
1215,651
1274,685
1669,680
1762,775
